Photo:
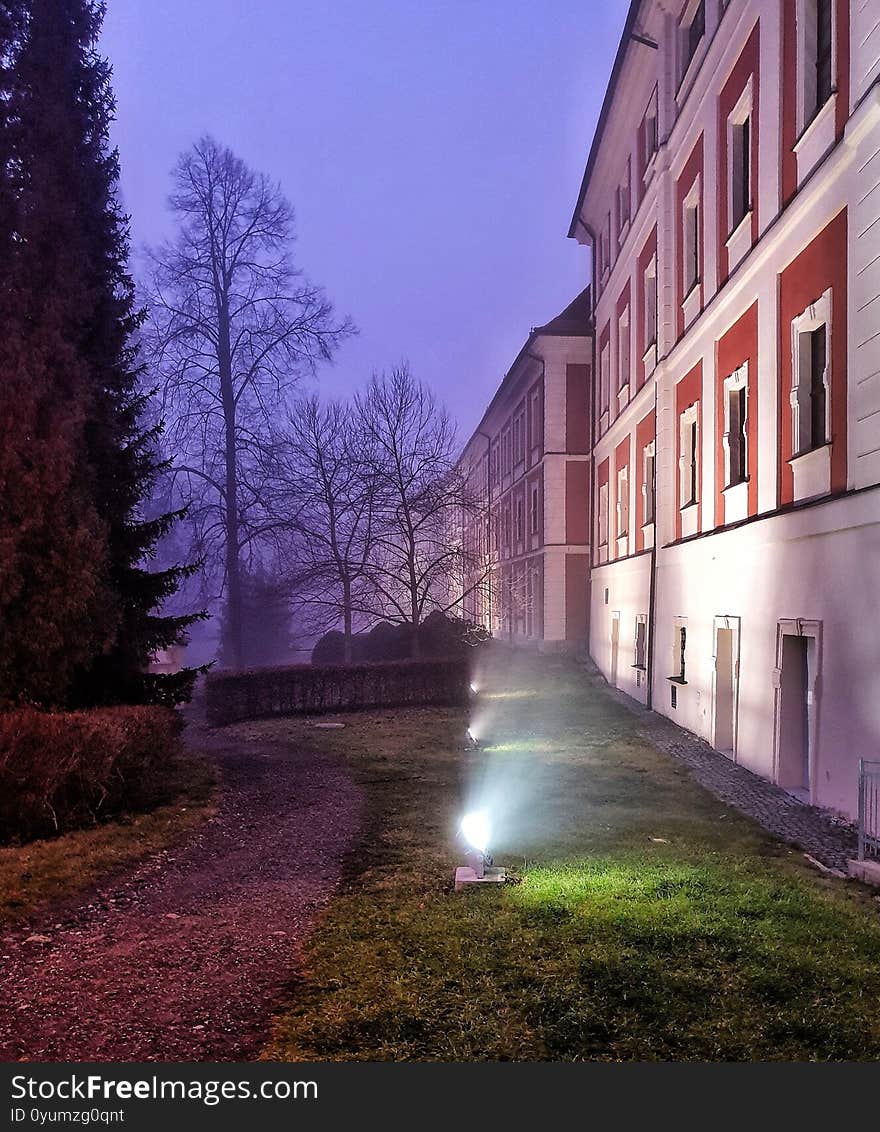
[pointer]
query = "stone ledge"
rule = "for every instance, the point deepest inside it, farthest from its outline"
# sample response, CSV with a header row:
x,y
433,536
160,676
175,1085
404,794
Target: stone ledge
x,y
867,871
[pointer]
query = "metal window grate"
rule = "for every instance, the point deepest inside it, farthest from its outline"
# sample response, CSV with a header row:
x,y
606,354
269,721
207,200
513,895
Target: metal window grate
x,y
869,808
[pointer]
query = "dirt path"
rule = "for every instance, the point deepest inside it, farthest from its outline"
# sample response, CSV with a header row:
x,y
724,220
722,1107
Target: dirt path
x,y
184,959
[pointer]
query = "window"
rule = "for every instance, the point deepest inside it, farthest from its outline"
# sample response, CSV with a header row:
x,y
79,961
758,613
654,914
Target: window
x,y
507,527
735,440
650,296
641,641
623,503
740,171
537,429
604,378
518,439
649,131
692,33
691,231
534,510
679,651
688,460
623,201
648,483
623,359
603,515
811,377
520,520
815,31
823,52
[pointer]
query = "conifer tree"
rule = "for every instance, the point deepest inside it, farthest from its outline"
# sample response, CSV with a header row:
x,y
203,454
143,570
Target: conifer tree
x,y
76,301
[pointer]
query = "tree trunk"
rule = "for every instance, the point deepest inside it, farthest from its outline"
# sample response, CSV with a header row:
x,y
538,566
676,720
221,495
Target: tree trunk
x,y
233,565
348,653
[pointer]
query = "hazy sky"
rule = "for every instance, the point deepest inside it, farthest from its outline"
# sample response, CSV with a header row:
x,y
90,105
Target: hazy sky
x,y
433,152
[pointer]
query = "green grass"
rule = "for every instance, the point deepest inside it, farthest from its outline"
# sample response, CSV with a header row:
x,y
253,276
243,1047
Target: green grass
x,y
37,875
715,942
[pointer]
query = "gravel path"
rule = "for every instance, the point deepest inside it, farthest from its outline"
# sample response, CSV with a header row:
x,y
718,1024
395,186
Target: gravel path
x,y
184,959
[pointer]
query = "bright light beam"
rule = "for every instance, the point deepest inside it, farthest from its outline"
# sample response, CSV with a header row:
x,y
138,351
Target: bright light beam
x,y
475,830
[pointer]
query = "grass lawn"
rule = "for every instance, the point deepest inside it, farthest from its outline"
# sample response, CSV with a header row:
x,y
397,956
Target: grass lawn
x,y
715,942
38,874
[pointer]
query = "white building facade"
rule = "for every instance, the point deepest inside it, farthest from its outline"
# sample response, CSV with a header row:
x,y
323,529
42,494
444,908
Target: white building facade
x,y
527,464
732,204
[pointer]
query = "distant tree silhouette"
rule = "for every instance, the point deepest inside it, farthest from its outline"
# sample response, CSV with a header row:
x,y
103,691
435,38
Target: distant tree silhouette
x,y
233,326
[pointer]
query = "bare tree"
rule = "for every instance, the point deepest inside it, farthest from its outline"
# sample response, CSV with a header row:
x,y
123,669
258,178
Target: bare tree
x,y
233,327
409,449
323,494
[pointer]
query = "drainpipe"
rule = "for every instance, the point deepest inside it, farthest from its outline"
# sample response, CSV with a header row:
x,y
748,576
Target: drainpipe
x,y
652,577
591,235
488,440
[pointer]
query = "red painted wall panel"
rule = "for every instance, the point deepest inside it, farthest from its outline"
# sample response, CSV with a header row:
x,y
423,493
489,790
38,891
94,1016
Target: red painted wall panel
x,y
577,496
822,264
577,417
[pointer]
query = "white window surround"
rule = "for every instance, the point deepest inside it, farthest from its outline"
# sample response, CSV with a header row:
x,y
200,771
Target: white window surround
x,y
691,252
739,240
640,654
648,491
816,140
604,379
623,505
679,655
736,495
602,538
624,359
688,73
805,22
689,507
811,467
649,304
652,137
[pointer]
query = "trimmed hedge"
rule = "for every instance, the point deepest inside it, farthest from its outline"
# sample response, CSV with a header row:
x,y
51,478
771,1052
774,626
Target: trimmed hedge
x,y
64,770
306,689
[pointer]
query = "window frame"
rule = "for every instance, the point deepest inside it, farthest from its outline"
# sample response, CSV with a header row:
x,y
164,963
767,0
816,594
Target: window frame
x,y
735,383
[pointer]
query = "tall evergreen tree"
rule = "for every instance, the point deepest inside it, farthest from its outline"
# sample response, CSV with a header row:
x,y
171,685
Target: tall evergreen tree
x,y
70,254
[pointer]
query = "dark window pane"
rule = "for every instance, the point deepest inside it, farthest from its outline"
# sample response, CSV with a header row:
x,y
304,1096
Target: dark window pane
x,y
817,387
823,52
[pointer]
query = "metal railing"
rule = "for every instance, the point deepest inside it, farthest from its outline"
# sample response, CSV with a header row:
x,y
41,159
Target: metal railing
x,y
869,808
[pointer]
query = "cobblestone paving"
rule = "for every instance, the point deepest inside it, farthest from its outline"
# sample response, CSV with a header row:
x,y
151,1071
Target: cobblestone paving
x,y
828,839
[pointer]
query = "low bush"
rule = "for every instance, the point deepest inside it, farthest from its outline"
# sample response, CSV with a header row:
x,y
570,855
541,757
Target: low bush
x,y
64,770
299,689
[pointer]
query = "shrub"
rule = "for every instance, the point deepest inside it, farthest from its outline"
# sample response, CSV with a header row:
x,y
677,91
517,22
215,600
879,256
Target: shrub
x,y
312,688
62,770
439,636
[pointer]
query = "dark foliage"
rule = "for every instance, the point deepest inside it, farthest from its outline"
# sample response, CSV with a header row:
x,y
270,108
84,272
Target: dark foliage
x,y
439,636
63,770
310,688
77,605
266,631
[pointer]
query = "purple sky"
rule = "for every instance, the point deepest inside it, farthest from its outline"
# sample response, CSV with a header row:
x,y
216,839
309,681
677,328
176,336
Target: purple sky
x,y
433,153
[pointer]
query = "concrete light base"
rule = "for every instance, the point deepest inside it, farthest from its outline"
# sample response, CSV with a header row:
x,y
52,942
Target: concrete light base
x,y
464,876
867,871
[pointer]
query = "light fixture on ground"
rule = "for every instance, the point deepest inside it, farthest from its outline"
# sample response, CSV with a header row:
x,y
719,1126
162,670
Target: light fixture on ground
x,y
476,831
473,742
474,688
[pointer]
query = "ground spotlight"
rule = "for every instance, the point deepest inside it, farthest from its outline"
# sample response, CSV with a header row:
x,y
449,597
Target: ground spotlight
x,y
475,830
473,742
475,689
